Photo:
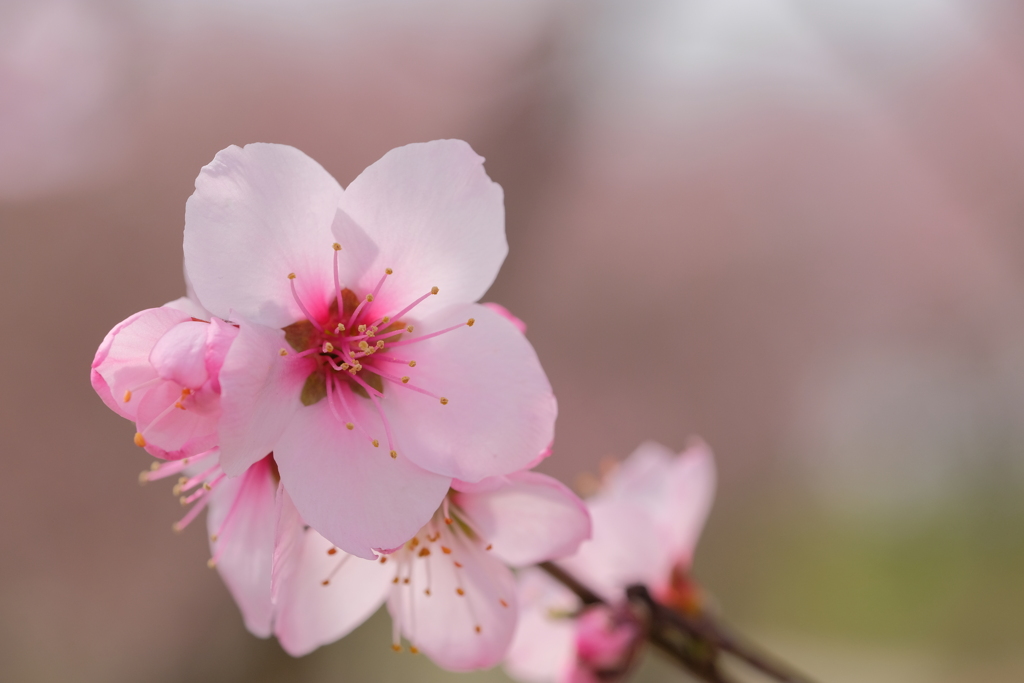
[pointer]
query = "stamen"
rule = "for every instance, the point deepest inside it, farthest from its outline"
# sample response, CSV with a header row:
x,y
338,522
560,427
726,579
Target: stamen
x,y
139,439
429,336
300,354
389,359
444,510
194,481
127,396
305,311
190,515
413,305
337,568
171,467
404,382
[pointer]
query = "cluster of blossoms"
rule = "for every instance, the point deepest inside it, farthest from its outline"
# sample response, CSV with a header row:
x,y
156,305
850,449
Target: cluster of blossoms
x,y
361,431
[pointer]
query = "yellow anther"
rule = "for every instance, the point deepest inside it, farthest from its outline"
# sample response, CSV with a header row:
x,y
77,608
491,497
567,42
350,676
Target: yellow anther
x,y
457,563
372,331
369,298
345,366
155,466
350,426
477,628
144,477
424,552
405,379
489,546
470,322
383,559
291,276
214,537
362,329
339,328
460,591
388,271
332,551
394,580
328,347
444,401
211,563
337,247
183,501
412,364
434,290
409,328
413,650
206,485
379,344
283,352
325,582
140,440
179,405
375,443
446,551
394,454
396,647
503,603
385,320
186,391
405,580
127,396
363,345
426,591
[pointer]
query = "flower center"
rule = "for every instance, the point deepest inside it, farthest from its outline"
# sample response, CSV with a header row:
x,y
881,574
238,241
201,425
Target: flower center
x,y
352,349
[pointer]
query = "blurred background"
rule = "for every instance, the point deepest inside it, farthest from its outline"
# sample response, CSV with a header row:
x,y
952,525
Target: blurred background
x,y
809,212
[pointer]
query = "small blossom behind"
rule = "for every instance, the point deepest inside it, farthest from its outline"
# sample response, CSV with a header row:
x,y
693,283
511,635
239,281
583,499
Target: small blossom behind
x,y
647,517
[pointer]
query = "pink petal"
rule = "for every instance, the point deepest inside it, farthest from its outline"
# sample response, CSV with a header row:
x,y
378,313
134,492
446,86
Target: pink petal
x,y
506,314
308,613
245,546
260,391
692,486
258,214
172,433
676,490
354,494
500,412
544,647
220,336
532,519
180,354
122,363
437,220
626,548
458,632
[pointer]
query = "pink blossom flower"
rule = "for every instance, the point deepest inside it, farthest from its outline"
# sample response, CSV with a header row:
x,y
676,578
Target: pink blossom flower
x,y
359,338
160,368
273,564
449,588
647,520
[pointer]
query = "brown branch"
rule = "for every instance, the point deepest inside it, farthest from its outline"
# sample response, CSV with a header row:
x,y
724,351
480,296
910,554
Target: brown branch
x,y
695,642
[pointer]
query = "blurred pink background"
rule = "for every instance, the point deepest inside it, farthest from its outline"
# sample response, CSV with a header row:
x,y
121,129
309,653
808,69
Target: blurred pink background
x,y
795,228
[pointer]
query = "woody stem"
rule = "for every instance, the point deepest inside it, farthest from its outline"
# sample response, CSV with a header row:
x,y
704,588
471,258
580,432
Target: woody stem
x,y
695,641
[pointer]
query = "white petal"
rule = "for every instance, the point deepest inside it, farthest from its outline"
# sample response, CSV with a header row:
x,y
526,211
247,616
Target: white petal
x,y
260,391
532,519
459,632
310,614
500,412
353,493
437,220
258,214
